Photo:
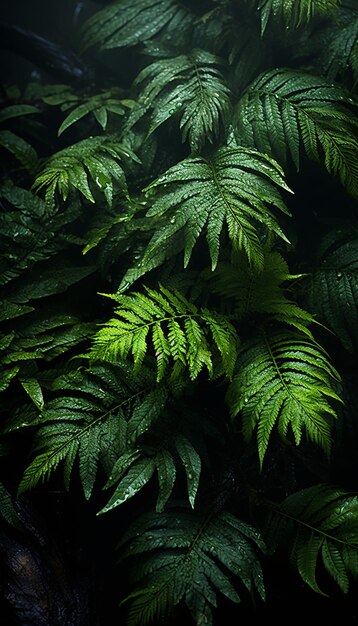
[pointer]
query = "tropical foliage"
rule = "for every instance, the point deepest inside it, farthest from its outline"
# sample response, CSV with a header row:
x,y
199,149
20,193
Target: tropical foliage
x,y
179,296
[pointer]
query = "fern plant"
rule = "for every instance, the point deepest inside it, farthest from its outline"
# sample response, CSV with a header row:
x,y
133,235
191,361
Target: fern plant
x,y
178,303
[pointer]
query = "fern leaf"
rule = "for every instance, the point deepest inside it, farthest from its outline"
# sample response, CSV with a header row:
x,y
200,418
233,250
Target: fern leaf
x,y
83,425
21,149
69,168
192,465
180,556
287,110
140,316
284,380
7,509
125,23
259,291
294,12
331,291
33,389
98,105
234,186
190,86
16,110
323,527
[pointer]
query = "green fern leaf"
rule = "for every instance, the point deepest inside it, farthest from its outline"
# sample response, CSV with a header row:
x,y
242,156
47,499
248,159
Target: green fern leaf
x,y
16,110
7,509
99,105
192,465
69,168
125,23
33,389
191,86
178,330
180,556
234,186
323,526
287,110
331,292
284,380
86,425
294,12
21,149
259,291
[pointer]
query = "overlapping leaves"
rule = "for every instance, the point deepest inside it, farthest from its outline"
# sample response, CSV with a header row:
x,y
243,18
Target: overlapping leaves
x,y
181,556
235,187
321,525
286,111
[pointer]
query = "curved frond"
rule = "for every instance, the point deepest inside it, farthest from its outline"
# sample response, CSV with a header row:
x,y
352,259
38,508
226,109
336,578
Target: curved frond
x,y
286,111
285,381
69,168
180,556
190,86
321,524
126,23
178,330
235,187
331,292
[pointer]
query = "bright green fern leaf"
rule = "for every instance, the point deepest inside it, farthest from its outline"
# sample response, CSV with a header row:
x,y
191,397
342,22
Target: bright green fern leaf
x,y
331,292
321,525
191,86
235,186
179,556
69,168
178,330
126,23
287,111
284,380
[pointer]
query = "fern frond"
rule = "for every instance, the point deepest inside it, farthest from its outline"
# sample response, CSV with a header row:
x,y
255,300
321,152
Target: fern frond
x,y
331,291
7,509
285,111
284,380
98,105
233,187
180,556
126,23
190,86
179,331
91,424
294,12
69,168
330,47
23,152
42,338
321,524
259,291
